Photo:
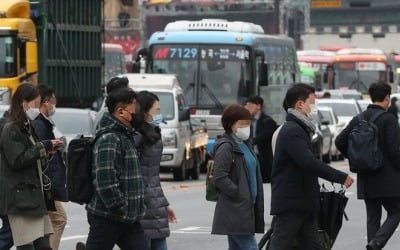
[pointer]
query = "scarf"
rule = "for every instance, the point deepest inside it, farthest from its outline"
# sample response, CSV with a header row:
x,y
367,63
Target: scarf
x,y
306,120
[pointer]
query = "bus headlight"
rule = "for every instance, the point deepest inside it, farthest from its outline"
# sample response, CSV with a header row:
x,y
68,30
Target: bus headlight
x,y
169,140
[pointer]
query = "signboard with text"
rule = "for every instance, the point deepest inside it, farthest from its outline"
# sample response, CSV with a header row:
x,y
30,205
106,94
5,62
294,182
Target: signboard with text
x,y
326,3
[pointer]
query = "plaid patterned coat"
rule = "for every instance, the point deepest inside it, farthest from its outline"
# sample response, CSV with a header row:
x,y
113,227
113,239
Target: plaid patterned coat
x,y
119,189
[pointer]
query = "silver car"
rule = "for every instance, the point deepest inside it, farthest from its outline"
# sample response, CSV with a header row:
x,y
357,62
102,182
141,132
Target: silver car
x,y
74,122
335,126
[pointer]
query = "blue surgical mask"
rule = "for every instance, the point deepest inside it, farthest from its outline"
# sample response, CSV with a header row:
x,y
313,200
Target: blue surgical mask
x,y
157,120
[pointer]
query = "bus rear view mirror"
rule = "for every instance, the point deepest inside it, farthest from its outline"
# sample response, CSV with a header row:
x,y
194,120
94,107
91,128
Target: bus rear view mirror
x,y
390,74
184,115
325,80
263,77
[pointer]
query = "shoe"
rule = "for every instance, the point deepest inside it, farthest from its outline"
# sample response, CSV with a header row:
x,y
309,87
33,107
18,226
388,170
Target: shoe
x,y
374,245
80,246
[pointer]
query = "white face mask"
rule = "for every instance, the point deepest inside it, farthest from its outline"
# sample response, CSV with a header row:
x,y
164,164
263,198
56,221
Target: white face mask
x,y
53,110
243,133
32,113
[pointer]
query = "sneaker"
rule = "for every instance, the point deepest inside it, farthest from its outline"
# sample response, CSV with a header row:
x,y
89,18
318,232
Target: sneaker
x,y
80,246
374,245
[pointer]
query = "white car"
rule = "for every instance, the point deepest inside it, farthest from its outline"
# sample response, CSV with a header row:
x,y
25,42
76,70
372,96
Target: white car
x,y
364,104
335,126
345,109
74,122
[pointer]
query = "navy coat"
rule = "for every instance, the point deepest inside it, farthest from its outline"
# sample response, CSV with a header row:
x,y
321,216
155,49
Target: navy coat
x,y
295,171
155,222
57,170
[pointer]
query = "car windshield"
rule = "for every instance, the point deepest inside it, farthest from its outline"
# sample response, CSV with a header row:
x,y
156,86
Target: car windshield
x,y
8,55
166,104
341,109
210,75
73,123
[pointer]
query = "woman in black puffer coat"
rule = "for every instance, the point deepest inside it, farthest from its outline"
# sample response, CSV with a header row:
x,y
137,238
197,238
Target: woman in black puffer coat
x,y
149,146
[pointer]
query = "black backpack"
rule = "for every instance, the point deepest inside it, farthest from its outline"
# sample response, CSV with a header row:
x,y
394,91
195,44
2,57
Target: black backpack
x,y
79,168
363,150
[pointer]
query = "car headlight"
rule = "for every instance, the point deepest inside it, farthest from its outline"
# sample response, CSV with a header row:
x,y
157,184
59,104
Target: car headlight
x,y
169,140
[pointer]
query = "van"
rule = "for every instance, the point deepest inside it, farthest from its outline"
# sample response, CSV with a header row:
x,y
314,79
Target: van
x,y
184,140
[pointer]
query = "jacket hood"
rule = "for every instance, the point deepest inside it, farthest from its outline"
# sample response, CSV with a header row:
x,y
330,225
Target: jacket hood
x,y
109,122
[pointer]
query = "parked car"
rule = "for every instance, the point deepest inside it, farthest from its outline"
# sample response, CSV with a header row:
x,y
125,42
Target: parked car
x,y
322,139
345,109
335,127
364,104
74,122
3,109
342,94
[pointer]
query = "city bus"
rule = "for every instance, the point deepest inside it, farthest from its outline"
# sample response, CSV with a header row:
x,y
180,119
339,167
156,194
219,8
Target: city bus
x,y
220,62
320,61
357,68
394,60
114,61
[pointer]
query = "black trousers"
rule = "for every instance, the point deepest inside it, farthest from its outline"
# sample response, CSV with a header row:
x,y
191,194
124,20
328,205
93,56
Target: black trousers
x,y
105,233
290,226
376,231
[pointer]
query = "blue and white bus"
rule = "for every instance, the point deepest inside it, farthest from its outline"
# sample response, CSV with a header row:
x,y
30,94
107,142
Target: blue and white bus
x,y
220,62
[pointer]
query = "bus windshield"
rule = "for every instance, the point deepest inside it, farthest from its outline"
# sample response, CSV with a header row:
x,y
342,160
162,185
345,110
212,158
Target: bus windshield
x,y
8,57
114,64
211,76
359,75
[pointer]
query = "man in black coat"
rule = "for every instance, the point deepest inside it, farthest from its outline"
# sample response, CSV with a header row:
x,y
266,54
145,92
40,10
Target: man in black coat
x,y
382,187
43,127
263,127
295,190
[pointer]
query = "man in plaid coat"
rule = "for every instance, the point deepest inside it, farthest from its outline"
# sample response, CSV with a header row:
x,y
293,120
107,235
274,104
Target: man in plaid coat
x,y
118,201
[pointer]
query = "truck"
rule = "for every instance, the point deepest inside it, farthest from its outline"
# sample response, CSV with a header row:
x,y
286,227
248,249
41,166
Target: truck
x,y
52,42
184,139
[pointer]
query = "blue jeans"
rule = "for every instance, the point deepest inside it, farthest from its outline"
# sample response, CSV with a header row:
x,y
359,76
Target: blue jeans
x,y
158,244
6,239
242,242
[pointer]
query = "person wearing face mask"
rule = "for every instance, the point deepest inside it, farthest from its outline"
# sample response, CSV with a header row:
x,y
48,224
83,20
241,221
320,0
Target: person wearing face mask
x,y
295,171
24,184
263,127
381,188
239,212
43,126
117,205
149,146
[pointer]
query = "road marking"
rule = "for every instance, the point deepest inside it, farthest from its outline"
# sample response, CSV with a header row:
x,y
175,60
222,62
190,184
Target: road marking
x,y
193,230
74,237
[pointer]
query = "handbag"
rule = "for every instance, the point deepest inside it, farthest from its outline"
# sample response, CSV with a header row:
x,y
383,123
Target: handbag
x,y
211,189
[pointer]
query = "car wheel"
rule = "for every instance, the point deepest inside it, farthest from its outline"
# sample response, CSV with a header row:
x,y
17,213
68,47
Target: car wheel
x,y
195,171
180,173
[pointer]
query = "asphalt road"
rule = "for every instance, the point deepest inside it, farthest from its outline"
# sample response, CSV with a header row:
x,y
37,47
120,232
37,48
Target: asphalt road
x,y
195,217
